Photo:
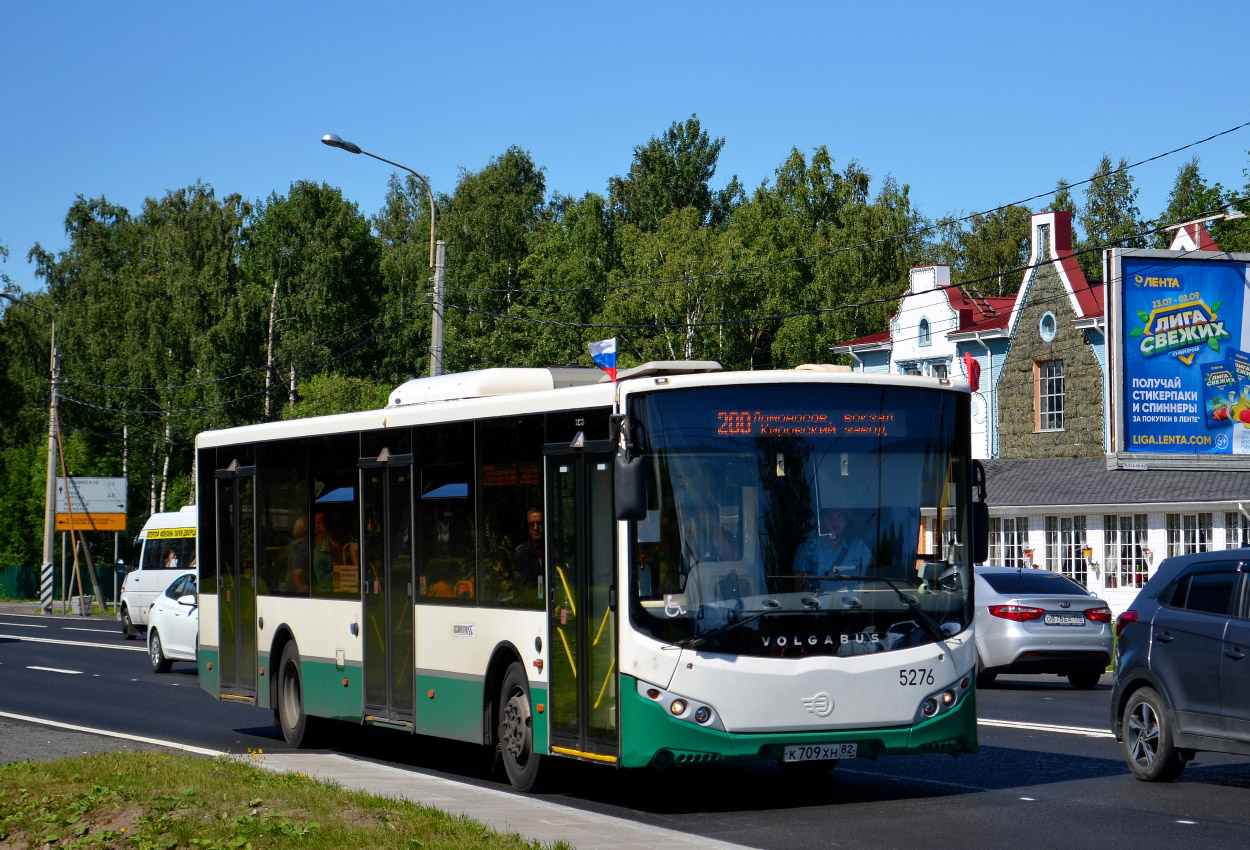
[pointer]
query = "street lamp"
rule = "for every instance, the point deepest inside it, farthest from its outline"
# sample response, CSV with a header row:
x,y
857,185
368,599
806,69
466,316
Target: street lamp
x,y
438,258
47,572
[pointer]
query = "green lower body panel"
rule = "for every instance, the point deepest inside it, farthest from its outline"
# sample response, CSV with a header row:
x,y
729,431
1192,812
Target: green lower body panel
x,y
330,690
649,735
449,708
542,735
207,662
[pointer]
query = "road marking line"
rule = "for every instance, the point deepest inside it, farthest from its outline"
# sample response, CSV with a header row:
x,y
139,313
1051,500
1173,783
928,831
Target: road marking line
x,y
1083,731
110,734
97,631
54,670
23,625
75,643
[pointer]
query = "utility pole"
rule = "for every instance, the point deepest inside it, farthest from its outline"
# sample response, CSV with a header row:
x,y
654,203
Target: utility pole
x,y
47,573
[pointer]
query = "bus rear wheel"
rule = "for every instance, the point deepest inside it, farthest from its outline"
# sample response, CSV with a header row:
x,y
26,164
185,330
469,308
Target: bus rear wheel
x,y
297,727
516,731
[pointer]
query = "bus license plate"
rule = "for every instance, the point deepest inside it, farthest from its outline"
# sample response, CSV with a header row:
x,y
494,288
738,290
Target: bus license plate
x,y
819,752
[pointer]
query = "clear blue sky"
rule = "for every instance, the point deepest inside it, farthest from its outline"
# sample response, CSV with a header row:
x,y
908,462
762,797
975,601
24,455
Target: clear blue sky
x,y
972,108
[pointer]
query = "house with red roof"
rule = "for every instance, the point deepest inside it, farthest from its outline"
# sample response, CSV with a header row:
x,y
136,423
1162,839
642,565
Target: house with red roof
x,y
1037,362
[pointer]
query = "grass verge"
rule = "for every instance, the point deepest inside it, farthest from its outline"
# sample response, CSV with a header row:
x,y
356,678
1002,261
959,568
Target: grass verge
x,y
158,801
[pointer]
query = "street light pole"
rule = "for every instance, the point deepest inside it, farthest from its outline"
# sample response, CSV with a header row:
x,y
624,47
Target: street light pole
x,y
438,258
47,573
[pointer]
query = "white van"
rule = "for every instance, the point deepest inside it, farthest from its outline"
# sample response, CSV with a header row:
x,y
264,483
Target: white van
x,y
166,551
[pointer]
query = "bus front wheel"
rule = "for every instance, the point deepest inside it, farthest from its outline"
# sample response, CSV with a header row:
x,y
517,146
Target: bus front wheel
x,y
516,731
297,727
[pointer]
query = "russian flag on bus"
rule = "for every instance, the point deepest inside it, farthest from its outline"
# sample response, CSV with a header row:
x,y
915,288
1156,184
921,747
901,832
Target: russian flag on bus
x,y
604,355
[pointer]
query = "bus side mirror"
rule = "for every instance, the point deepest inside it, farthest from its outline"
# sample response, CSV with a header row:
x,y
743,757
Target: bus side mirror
x,y
980,516
980,532
630,488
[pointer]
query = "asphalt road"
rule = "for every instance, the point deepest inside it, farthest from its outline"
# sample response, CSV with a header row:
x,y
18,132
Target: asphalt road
x,y
1048,774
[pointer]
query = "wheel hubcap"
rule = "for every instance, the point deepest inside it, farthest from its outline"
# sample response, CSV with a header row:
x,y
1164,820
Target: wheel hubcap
x,y
514,727
1143,727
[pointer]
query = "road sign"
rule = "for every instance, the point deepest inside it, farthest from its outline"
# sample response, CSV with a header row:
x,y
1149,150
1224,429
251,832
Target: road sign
x,y
96,504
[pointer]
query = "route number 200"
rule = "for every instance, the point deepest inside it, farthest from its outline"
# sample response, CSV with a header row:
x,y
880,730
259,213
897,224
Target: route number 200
x,y
915,676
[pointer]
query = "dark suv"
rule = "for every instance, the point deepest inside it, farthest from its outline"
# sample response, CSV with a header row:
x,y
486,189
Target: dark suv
x,y
1182,671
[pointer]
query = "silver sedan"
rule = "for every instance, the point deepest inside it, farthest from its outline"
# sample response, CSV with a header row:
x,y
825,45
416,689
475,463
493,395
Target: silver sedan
x,y
1037,621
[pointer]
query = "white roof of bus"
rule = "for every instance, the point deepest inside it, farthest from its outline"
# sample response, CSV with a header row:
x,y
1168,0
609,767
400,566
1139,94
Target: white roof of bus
x,y
184,518
522,399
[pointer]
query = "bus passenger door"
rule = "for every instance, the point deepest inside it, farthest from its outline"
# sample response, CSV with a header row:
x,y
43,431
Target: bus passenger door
x,y
389,665
581,545
236,588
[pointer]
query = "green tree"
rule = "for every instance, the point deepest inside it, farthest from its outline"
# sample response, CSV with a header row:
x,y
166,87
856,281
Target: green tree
x,y
565,279
1110,217
316,251
1190,198
1062,201
489,225
1234,235
403,229
991,249
328,392
669,173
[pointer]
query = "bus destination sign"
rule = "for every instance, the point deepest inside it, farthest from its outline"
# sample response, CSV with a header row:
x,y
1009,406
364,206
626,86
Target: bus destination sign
x,y
809,423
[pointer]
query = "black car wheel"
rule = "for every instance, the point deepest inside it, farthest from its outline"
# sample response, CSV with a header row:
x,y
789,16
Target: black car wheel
x,y
984,678
1084,680
160,664
1147,738
128,628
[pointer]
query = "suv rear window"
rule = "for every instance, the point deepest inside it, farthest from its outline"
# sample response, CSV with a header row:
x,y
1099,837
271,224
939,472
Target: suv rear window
x,y
1029,582
1211,592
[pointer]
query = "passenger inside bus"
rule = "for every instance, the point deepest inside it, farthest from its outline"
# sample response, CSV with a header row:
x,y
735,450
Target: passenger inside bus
x,y
528,566
296,557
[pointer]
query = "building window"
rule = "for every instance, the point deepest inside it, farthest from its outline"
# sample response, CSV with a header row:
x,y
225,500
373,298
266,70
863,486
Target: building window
x,y
1048,395
1065,538
1047,327
1009,539
1124,550
1188,533
910,369
938,370
926,333
1236,530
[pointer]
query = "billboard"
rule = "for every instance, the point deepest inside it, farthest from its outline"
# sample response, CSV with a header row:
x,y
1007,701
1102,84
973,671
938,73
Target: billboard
x,y
1180,337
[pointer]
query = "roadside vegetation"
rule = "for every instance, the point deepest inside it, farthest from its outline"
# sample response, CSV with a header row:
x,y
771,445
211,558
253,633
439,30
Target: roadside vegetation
x,y
158,801
202,309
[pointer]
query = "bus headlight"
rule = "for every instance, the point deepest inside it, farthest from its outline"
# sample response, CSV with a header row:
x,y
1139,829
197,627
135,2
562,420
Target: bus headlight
x,y
682,708
944,700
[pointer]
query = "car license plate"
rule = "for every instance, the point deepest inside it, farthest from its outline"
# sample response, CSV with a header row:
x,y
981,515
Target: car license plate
x,y
819,752
1064,619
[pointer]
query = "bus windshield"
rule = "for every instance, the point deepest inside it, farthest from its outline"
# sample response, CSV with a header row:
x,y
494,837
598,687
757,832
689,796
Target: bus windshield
x,y
802,519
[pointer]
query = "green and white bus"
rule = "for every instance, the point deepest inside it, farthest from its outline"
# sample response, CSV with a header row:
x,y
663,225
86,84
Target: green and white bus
x,y
646,572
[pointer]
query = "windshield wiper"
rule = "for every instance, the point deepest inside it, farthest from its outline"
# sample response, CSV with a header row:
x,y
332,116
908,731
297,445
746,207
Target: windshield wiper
x,y
914,604
698,640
